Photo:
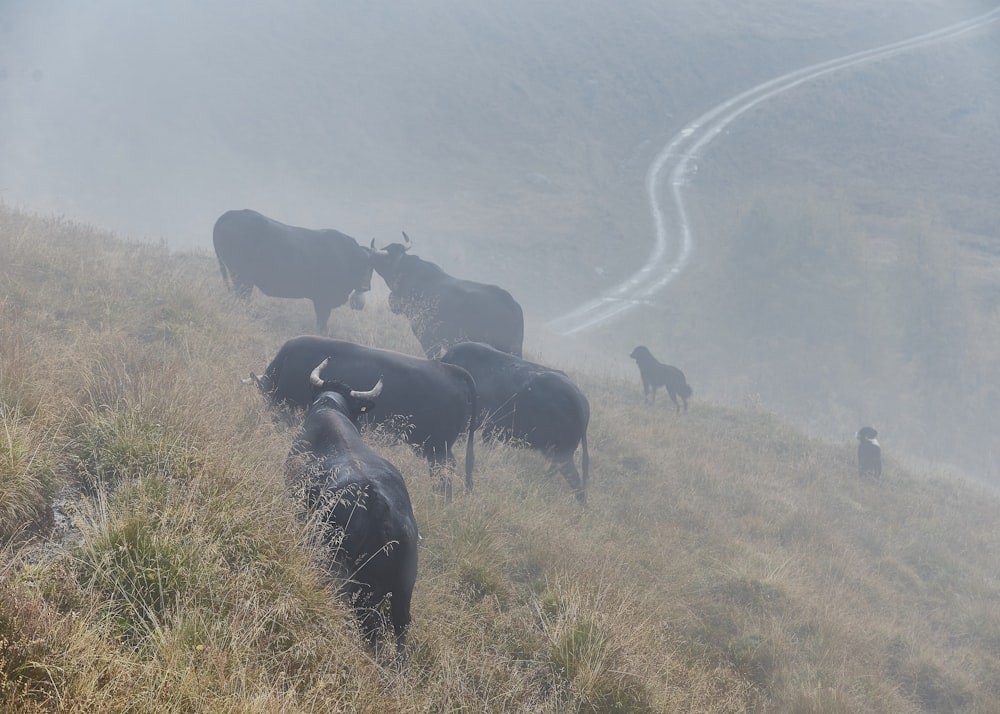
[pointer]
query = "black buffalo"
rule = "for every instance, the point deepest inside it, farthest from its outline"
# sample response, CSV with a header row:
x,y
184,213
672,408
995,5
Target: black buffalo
x,y
869,453
360,505
429,403
530,403
444,310
655,374
325,266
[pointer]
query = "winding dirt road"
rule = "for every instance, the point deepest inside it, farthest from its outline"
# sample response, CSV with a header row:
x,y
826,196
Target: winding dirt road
x,y
673,237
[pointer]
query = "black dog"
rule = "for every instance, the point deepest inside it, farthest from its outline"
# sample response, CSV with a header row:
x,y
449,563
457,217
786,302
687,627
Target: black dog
x,y
869,453
656,374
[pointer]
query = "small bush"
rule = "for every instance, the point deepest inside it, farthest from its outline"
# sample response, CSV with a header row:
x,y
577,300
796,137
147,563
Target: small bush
x,y
120,445
754,596
923,682
755,658
139,573
25,629
588,657
27,476
578,647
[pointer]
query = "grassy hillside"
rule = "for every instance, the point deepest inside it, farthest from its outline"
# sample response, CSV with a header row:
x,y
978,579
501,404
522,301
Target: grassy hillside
x,y
150,559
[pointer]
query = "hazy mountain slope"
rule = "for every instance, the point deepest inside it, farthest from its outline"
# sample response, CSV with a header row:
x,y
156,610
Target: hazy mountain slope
x,y
725,563
510,140
459,122
848,257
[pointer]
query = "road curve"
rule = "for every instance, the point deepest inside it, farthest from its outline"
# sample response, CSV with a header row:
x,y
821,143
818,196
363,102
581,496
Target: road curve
x,y
678,161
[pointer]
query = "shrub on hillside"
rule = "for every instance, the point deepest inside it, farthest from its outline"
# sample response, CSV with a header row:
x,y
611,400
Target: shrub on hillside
x,y
27,628
27,476
115,445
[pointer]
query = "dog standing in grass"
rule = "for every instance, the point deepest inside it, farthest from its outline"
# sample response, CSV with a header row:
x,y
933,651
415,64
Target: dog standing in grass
x,y
656,374
869,453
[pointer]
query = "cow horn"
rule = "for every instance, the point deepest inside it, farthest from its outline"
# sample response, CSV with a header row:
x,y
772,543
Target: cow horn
x,y
406,239
376,251
314,378
371,393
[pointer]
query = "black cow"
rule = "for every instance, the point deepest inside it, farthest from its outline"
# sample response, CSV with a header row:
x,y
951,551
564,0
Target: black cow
x,y
444,310
427,402
360,504
655,374
530,403
869,453
326,266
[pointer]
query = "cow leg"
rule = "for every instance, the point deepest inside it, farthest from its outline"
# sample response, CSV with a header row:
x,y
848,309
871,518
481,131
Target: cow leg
x,y
369,607
400,613
366,611
572,476
322,316
369,621
241,288
673,398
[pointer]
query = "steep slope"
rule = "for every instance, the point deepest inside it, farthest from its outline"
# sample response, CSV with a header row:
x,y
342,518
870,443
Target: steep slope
x,y
726,561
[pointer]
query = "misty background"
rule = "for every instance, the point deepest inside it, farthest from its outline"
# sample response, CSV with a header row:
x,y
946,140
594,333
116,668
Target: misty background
x,y
846,233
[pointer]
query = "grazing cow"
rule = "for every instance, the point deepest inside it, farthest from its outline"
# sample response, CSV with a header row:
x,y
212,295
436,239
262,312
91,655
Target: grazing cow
x,y
656,374
426,402
532,404
869,453
443,310
326,266
360,504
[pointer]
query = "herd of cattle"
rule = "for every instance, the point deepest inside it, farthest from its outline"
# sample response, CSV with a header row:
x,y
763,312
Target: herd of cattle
x,y
473,378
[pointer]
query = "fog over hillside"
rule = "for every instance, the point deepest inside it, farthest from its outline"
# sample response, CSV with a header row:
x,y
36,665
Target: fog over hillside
x,y
511,141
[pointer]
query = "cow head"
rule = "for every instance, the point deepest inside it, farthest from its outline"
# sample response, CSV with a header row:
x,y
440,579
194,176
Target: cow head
x,y
334,394
385,260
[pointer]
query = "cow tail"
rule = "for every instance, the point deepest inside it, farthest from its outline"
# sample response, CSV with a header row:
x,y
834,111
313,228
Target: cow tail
x,y
470,452
584,452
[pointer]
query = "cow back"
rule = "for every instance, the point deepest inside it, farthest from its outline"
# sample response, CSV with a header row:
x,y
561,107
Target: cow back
x,y
523,399
433,397
361,505
444,310
286,261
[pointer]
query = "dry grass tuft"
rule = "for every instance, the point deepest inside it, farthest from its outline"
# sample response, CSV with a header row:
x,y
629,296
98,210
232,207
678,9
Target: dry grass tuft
x,y
27,474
